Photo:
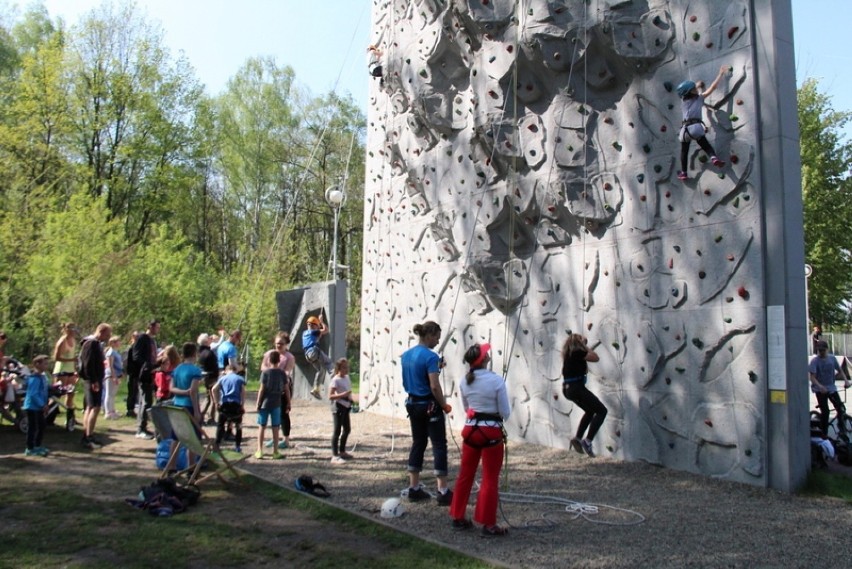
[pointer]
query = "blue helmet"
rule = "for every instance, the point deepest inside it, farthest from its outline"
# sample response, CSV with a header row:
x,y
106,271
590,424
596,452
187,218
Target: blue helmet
x,y
685,88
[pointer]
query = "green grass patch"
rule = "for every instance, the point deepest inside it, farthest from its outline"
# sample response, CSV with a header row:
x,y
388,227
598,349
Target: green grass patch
x,y
823,483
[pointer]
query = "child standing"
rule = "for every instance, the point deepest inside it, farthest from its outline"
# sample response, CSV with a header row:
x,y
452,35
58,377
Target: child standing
x,y
35,404
692,106
340,395
229,395
272,384
114,371
311,344
166,364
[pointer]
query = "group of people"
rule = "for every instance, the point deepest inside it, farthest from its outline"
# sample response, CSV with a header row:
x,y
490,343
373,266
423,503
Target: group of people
x,y
486,404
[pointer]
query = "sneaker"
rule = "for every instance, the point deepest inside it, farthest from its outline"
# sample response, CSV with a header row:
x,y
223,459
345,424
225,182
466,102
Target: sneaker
x,y
32,452
131,414
211,422
99,443
258,454
446,498
494,531
283,444
277,455
575,444
43,451
338,460
418,494
462,524
268,444
587,447
145,435
716,162
682,176
316,393
345,455
86,443
238,449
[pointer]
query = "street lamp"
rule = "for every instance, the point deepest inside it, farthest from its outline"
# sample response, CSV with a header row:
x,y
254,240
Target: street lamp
x,y
335,197
809,270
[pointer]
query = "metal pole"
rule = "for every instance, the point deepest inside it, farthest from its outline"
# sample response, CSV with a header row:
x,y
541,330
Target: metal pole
x,y
334,253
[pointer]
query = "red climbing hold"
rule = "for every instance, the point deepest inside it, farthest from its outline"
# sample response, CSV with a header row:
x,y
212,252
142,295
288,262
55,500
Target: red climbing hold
x,y
743,292
693,18
733,30
708,422
663,128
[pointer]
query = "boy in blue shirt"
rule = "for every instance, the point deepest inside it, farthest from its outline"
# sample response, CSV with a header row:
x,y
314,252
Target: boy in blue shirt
x,y
311,344
35,404
229,395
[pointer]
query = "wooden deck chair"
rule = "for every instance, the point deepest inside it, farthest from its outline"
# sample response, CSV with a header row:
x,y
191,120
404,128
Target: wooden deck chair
x,y
163,428
222,460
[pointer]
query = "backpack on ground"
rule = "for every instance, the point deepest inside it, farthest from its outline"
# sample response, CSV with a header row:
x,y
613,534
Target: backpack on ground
x,y
305,483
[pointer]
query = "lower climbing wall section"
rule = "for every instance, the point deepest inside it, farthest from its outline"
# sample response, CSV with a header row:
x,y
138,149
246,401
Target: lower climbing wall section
x,y
521,184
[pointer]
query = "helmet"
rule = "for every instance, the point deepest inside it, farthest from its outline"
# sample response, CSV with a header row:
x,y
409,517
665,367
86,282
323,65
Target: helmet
x,y
313,320
392,508
685,88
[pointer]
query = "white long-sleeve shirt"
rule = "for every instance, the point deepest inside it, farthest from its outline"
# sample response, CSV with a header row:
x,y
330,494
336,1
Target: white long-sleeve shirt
x,y
486,394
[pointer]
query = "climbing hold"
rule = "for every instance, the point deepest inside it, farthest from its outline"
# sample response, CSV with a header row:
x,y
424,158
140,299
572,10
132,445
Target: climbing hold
x,y
693,18
702,274
717,238
663,128
640,178
671,264
616,345
668,381
734,159
708,422
734,118
657,168
697,343
696,36
742,292
668,194
617,146
608,120
731,257
646,148
732,30
708,45
668,86
643,198
752,377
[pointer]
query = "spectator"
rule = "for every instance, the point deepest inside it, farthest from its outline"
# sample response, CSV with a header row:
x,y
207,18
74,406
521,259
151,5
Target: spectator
x,y
167,361
132,380
114,371
287,364
92,371
822,371
35,405
229,394
272,382
816,337
143,361
226,352
209,364
340,395
65,366
184,386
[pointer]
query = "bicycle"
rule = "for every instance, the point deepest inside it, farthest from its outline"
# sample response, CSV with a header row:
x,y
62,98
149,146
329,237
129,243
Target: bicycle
x,y
835,430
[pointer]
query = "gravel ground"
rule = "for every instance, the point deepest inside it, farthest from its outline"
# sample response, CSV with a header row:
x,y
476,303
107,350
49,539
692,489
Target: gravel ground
x,y
645,515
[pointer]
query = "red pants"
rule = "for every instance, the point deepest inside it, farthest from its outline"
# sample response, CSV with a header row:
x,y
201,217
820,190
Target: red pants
x,y
492,461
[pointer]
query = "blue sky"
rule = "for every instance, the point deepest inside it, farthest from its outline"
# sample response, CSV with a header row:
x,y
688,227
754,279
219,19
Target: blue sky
x,y
323,40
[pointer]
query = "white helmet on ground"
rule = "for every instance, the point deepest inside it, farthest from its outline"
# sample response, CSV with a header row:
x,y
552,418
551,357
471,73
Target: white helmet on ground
x,y
392,508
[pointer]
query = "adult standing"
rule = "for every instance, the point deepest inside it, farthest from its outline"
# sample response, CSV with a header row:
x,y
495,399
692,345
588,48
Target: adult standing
x,y
93,372
426,406
287,363
209,364
132,378
575,357
486,402
65,366
822,371
3,339
226,351
816,338
143,361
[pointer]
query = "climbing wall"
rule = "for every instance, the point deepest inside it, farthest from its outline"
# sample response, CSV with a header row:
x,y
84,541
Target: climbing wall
x,y
521,184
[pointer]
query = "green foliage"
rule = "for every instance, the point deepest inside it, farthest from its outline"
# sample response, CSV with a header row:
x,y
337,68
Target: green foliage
x,y
827,197
127,193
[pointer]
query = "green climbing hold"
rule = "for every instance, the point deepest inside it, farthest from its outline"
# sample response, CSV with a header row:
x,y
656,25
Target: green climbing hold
x,y
617,146
646,148
696,36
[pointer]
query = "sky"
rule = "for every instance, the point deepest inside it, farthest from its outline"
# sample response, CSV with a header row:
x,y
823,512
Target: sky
x,y
324,41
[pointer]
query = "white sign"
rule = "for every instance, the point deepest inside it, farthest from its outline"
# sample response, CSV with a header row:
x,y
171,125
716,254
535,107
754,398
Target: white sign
x,y
776,348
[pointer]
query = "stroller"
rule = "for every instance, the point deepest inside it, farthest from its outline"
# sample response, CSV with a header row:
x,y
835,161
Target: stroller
x,y
15,374
13,387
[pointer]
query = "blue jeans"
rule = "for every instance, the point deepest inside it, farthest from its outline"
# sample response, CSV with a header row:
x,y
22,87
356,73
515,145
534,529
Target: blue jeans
x,y
427,427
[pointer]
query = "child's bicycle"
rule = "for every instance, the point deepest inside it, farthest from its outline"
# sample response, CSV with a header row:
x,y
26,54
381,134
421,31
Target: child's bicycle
x,y
13,386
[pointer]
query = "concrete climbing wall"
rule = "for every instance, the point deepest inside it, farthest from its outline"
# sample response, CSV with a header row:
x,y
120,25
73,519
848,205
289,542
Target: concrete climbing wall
x,y
521,184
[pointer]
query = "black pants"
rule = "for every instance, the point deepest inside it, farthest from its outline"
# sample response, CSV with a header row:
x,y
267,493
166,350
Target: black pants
x,y
837,403
594,411
35,428
342,427
132,393
209,382
145,401
233,413
684,150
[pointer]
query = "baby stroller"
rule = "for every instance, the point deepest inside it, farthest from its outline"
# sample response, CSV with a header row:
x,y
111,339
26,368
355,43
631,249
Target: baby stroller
x,y
13,387
55,395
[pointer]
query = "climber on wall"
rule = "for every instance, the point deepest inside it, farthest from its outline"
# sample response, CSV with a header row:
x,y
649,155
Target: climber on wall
x,y
374,64
692,105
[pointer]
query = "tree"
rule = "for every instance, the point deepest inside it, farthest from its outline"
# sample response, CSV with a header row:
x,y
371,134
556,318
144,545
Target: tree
x,y
827,199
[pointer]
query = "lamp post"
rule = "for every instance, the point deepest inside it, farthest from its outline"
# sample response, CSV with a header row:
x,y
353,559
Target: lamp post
x,y
335,197
808,272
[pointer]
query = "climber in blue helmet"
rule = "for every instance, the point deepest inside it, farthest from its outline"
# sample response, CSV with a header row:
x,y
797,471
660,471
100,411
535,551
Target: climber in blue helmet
x,y
692,104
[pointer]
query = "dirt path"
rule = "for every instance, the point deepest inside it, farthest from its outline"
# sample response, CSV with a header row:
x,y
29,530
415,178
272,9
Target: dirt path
x,y
664,518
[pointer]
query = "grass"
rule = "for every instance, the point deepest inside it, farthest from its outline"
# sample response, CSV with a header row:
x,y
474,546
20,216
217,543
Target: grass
x,y
824,483
45,526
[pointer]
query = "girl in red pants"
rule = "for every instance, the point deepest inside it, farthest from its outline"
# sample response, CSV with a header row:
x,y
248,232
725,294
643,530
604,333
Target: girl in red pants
x,y
487,405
